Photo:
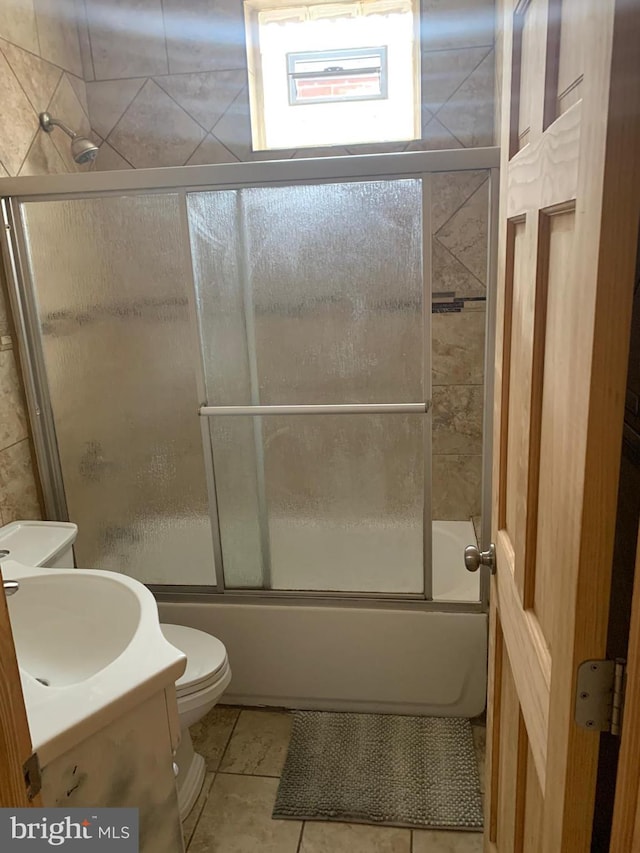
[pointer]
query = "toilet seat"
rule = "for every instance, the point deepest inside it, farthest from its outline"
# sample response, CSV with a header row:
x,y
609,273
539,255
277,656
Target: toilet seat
x,y
207,661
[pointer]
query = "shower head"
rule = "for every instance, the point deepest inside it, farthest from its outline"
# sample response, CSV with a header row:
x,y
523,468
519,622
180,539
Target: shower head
x,y
82,149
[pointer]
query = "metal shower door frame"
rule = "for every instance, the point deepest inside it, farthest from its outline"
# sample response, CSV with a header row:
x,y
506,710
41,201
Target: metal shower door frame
x,y
188,179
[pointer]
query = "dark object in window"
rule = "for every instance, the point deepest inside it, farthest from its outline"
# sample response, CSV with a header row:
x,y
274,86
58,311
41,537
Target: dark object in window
x,y
323,76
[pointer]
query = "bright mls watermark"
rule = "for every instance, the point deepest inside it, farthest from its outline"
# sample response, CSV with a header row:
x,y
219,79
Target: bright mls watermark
x,y
36,830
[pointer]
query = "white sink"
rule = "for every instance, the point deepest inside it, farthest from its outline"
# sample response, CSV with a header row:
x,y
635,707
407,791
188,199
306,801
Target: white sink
x,y
89,648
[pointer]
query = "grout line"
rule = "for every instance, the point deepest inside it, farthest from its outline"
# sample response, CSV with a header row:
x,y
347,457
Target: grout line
x,y
302,826
455,257
121,116
37,28
483,181
164,33
452,49
76,19
254,775
184,110
455,92
226,147
35,55
172,74
6,58
226,746
14,444
93,65
204,803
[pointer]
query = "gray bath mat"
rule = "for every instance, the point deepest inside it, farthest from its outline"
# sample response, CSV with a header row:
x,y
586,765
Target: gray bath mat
x,y
381,768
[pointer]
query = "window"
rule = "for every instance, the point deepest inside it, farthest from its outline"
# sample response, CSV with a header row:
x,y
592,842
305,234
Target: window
x,y
332,73
322,76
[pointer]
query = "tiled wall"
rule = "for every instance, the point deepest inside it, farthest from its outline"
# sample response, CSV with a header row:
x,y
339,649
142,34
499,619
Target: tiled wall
x,y
168,81
40,69
459,261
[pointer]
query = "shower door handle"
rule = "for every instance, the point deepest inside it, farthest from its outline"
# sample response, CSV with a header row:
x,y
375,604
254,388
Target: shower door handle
x,y
474,558
320,409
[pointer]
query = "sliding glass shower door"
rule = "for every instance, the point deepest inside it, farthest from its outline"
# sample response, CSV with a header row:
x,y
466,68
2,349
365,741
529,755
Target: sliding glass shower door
x,y
313,296
111,288
234,383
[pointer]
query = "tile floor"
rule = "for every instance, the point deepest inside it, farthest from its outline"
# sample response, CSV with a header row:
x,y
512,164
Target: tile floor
x,y
245,750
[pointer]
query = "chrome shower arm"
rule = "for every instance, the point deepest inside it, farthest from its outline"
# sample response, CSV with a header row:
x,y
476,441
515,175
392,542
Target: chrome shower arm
x,y
47,123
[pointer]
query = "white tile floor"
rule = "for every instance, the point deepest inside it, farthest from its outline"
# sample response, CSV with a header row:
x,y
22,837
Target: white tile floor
x,y
245,750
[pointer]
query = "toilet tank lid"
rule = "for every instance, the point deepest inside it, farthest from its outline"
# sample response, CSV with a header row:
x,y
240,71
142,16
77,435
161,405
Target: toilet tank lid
x,y
36,543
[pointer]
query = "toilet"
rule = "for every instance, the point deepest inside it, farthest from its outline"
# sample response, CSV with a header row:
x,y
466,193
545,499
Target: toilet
x,y
206,677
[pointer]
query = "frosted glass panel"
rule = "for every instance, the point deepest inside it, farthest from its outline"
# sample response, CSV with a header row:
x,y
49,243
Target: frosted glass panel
x,y
314,291
309,295
344,501
111,278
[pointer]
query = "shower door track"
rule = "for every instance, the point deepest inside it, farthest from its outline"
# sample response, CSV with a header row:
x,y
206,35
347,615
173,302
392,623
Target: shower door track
x,y
183,180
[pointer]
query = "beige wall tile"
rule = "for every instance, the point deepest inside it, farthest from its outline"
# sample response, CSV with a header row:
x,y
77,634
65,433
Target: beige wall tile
x,y
37,77
204,35
13,417
127,39
326,837
108,159
16,137
211,735
457,23
84,40
108,101
18,24
444,71
457,418
205,95
155,131
465,234
468,114
237,819
458,348
58,33
451,276
446,842
456,489
435,137
259,743
211,150
18,494
449,191
80,88
43,157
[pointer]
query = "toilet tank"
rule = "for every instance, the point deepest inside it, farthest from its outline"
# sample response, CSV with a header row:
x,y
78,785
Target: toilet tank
x,y
39,543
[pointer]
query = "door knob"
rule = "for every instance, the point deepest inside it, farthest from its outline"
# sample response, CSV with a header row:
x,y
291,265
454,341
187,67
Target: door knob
x,y
474,558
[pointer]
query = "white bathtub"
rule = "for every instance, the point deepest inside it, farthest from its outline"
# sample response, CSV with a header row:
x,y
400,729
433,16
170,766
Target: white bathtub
x,y
354,657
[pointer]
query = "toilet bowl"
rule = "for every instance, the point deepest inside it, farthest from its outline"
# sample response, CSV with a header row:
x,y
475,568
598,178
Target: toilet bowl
x,y
200,687
206,677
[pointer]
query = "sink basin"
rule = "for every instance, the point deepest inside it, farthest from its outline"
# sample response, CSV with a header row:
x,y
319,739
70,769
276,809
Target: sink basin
x,y
89,648
67,628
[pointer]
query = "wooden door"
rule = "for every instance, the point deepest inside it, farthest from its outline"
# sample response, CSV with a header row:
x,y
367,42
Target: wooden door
x,y
568,230
15,739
